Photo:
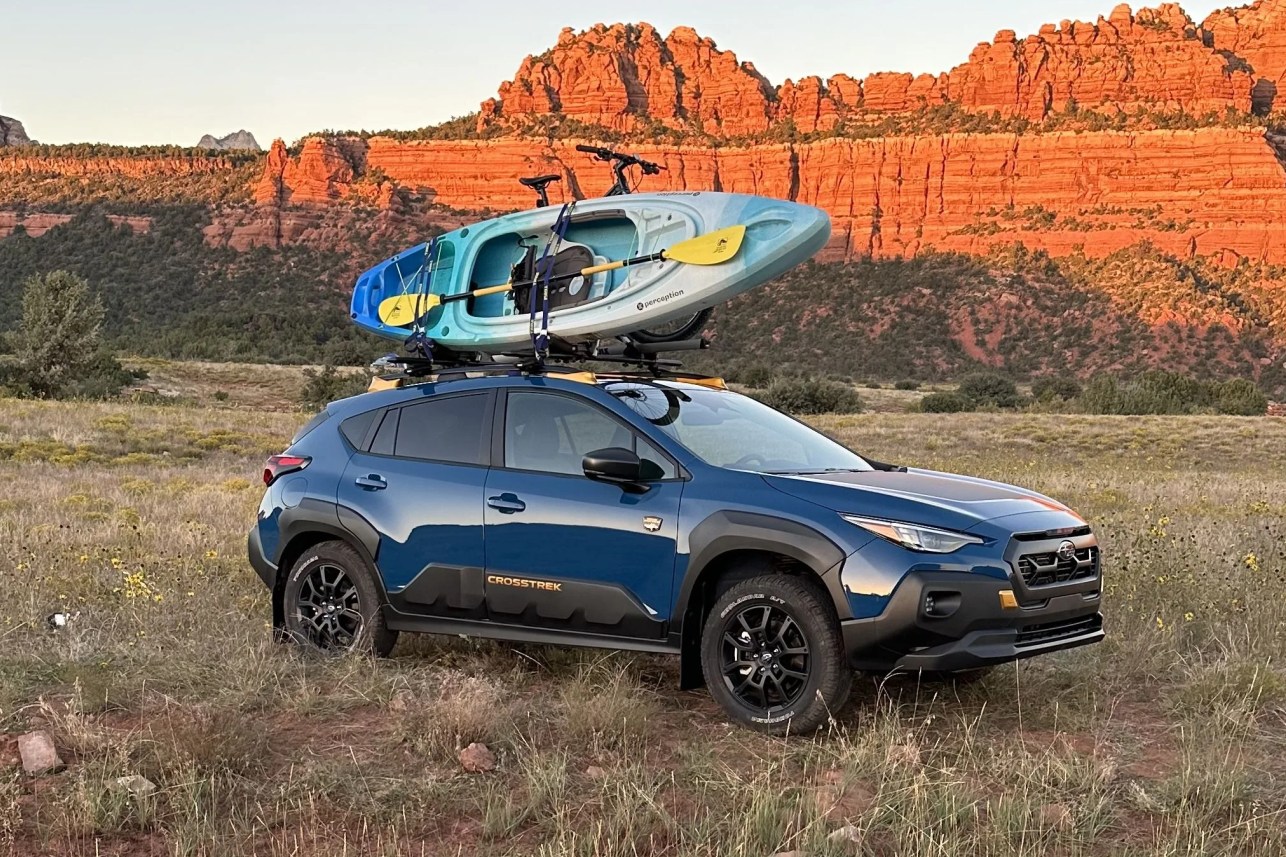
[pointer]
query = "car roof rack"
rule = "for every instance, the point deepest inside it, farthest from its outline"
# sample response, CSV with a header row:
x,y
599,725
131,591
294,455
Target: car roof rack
x,y
563,363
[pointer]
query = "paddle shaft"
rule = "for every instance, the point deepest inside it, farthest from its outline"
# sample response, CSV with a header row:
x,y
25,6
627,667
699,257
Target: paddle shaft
x,y
583,272
713,248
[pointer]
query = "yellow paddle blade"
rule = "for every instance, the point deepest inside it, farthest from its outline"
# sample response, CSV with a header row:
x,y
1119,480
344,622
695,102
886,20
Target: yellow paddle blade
x,y
713,248
402,310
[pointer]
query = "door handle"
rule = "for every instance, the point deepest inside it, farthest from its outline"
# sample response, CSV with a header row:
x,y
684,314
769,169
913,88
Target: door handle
x,y
373,482
506,504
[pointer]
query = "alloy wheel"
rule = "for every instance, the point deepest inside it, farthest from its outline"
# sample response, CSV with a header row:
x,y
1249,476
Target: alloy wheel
x,y
765,657
330,608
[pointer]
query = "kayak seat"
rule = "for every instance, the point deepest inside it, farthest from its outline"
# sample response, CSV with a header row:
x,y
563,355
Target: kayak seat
x,y
573,291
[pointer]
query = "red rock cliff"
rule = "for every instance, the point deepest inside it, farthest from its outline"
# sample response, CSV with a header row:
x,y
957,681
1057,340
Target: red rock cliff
x,y
1215,191
625,76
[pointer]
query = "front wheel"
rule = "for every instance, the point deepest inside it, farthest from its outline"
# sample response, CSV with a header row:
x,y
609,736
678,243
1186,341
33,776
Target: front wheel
x,y
675,331
773,657
333,604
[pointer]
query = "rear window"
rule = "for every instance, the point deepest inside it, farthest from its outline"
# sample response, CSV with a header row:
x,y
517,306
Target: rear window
x,y
449,429
310,425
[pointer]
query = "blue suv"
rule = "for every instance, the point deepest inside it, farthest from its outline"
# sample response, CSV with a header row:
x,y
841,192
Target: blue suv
x,y
660,515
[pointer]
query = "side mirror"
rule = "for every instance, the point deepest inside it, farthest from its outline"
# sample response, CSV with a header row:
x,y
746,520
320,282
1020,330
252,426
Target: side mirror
x,y
613,464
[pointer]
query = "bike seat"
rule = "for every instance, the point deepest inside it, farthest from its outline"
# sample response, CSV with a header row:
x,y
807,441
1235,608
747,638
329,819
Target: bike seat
x,y
540,181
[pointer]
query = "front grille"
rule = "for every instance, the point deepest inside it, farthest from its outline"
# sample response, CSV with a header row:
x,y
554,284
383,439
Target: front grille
x,y
1043,569
1035,635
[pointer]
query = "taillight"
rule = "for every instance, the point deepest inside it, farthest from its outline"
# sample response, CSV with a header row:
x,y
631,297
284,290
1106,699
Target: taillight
x,y
279,465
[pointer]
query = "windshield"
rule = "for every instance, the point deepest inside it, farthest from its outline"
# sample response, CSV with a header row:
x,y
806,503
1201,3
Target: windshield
x,y
730,430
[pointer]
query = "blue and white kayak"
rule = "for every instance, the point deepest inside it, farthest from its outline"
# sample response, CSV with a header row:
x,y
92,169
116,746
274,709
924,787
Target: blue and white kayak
x,y
779,235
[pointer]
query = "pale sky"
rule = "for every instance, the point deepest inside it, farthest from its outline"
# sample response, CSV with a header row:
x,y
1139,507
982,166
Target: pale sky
x,y
168,71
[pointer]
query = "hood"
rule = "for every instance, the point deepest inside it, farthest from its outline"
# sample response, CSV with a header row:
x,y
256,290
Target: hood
x,y
925,497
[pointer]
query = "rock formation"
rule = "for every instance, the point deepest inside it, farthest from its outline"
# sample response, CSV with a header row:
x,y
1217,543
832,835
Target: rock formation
x,y
44,163
241,140
12,133
1218,189
625,76
1155,60
1254,35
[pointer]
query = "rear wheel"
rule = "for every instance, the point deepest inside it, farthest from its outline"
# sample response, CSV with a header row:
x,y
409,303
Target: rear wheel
x,y
675,331
332,602
772,655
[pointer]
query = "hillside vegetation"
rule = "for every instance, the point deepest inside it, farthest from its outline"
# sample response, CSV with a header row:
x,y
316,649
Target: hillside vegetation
x,y
939,315
933,317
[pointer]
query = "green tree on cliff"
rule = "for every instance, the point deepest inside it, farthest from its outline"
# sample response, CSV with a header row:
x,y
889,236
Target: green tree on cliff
x,y
57,350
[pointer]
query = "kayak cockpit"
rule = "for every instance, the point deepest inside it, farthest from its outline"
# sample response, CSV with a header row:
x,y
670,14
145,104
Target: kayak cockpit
x,y
513,256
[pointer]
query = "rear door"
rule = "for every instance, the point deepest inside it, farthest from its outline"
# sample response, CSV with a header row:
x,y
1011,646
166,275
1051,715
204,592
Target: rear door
x,y
564,551
420,484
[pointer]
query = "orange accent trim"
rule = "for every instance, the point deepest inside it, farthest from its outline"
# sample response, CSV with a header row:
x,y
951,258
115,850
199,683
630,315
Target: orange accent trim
x,y
712,383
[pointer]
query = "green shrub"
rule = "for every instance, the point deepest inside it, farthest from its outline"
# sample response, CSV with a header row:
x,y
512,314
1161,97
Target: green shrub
x,y
1049,389
327,385
946,403
758,376
1241,397
811,396
907,385
989,388
57,349
1162,392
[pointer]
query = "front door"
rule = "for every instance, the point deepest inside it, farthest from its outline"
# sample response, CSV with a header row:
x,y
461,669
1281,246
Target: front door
x,y
420,485
566,552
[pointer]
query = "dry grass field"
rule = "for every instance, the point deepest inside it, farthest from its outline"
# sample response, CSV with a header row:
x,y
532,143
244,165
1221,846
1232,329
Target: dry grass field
x,y
1168,739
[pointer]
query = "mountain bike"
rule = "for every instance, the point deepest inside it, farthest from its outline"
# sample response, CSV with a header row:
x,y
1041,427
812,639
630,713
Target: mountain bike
x,y
678,330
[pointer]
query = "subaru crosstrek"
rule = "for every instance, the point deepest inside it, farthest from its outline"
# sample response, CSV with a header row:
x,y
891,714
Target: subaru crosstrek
x,y
667,516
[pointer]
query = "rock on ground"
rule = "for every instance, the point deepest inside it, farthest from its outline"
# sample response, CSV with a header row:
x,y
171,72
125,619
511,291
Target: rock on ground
x,y
39,755
139,786
477,759
848,833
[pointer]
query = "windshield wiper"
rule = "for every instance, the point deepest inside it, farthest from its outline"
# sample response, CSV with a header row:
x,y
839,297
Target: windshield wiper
x,y
813,472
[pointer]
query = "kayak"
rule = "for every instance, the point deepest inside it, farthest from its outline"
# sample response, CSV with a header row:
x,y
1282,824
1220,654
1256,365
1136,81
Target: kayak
x,y
778,236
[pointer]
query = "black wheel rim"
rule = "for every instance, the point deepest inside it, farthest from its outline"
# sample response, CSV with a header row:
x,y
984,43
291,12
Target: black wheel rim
x,y
765,657
671,331
329,607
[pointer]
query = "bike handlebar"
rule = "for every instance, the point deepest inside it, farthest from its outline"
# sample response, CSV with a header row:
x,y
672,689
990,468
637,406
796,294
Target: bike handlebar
x,y
649,168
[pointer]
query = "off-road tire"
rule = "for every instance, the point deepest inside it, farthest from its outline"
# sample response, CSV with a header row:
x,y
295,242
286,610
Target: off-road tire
x,y
829,678
373,636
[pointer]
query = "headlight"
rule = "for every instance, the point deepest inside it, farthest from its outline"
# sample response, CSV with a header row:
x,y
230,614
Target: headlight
x,y
913,536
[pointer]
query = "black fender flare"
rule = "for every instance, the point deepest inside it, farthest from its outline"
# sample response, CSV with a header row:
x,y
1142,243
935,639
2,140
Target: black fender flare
x,y
319,516
730,530
312,517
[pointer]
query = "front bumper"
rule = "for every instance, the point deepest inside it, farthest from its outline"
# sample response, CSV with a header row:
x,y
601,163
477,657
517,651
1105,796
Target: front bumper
x,y
972,628
258,561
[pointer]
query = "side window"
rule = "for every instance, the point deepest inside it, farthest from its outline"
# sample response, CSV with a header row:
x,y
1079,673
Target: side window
x,y
551,434
382,443
449,429
655,464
